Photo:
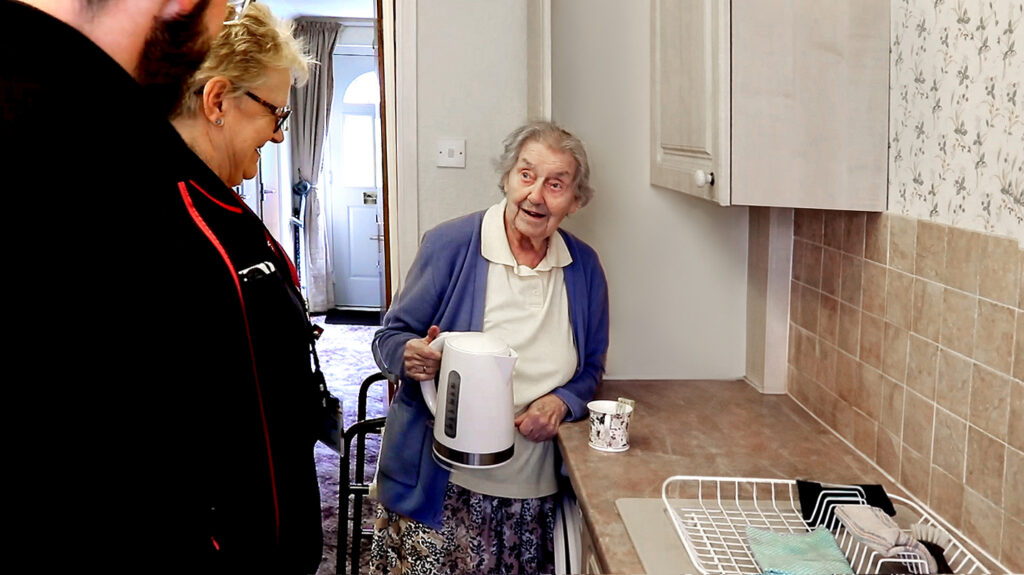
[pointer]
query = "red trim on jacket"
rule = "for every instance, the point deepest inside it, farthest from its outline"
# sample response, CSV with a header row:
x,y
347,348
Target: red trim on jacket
x,y
235,209
201,224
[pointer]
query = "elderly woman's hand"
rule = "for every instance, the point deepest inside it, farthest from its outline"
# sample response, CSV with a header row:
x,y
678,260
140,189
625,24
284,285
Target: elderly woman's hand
x,y
420,361
540,421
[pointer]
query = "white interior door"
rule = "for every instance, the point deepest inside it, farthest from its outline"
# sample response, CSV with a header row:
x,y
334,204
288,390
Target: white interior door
x,y
354,179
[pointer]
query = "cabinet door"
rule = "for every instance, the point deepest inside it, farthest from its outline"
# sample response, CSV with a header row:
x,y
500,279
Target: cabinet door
x,y
690,96
810,103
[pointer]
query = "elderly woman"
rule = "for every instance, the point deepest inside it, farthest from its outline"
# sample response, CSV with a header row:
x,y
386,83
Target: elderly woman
x,y
511,272
256,494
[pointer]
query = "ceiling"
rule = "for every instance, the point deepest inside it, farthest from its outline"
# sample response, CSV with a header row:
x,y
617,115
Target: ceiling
x,y
328,8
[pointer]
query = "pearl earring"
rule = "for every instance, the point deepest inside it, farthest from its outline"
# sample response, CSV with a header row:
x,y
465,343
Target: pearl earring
x,y
219,122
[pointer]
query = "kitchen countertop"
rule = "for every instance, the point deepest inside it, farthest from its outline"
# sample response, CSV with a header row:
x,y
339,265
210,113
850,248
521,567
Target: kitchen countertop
x,y
723,428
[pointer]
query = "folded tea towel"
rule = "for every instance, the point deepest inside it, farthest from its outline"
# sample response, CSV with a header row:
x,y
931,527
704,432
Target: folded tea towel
x,y
876,530
817,500
811,553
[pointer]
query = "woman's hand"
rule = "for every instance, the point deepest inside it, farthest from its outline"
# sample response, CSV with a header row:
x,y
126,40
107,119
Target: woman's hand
x,y
540,421
420,361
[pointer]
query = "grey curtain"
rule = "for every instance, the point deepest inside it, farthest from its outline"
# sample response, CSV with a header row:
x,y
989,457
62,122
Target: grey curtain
x,y
311,110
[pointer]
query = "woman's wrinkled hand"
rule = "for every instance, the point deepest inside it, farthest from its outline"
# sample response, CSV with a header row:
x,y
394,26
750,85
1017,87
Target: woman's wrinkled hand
x,y
420,361
540,421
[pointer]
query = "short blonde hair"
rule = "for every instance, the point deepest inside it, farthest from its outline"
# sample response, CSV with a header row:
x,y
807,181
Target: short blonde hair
x,y
243,52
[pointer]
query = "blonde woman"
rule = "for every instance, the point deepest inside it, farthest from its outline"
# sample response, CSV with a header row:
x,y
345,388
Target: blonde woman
x,y
257,498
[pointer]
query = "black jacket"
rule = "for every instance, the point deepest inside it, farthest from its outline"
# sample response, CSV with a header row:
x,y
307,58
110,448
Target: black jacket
x,y
160,409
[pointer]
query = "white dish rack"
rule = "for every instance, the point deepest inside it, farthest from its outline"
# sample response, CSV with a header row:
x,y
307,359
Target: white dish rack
x,y
710,514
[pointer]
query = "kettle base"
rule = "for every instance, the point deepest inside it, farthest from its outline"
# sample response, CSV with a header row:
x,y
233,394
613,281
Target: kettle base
x,y
447,455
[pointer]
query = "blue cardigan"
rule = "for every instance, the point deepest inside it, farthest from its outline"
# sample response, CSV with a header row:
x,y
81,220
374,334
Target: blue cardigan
x,y
446,287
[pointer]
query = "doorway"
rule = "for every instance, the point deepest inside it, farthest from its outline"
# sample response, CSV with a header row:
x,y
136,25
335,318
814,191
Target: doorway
x,y
353,171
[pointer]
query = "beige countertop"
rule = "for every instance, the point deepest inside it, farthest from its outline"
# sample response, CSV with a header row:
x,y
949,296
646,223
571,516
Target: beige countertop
x,y
722,428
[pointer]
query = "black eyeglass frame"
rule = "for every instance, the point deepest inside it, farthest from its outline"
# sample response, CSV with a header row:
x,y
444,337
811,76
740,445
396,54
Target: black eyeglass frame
x,y
281,113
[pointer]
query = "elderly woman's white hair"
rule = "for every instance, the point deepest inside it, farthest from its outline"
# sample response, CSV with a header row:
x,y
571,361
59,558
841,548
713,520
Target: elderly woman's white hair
x,y
553,136
243,52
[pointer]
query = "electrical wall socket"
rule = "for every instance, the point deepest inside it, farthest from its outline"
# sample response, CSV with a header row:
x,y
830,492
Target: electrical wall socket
x,y
451,153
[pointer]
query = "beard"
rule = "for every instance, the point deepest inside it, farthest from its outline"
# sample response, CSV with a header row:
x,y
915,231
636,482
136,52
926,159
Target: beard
x,y
173,52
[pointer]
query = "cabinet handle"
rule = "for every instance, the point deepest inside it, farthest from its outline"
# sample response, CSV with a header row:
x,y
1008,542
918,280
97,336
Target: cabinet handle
x,y
702,178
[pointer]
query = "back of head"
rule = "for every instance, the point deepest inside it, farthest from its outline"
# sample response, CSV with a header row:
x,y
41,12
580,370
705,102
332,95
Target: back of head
x,y
245,50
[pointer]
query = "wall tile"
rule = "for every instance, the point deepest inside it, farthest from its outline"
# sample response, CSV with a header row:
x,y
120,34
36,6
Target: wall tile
x,y
990,401
922,365
902,242
826,374
962,250
849,329
850,279
930,261
914,471
953,386
864,433
887,453
999,271
1015,434
946,496
806,353
894,352
834,229
808,225
867,397
1012,556
876,237
807,263
853,234
848,377
898,301
993,340
958,313
873,288
1014,485
794,301
982,521
918,415
828,319
949,446
927,315
891,416
986,461
871,337
1020,295
808,313
1018,347
830,271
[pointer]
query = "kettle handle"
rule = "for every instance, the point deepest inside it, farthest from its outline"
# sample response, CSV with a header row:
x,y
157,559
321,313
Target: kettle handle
x,y
428,387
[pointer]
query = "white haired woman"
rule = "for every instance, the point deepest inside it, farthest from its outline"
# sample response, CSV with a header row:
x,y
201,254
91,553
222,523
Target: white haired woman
x,y
257,498
511,272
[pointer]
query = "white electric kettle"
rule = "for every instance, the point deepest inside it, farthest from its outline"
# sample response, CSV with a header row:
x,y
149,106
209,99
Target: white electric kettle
x,y
473,402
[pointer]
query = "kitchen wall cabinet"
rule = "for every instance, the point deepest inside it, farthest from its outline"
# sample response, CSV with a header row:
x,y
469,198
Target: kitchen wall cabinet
x,y
771,102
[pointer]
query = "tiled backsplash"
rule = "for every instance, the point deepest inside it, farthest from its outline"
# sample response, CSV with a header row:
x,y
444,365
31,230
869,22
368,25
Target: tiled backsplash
x,y
907,338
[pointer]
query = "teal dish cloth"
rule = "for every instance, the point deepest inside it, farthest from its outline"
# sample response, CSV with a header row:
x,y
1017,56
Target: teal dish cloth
x,y
814,553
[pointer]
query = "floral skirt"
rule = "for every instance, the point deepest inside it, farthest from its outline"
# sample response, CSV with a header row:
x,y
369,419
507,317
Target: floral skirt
x,y
479,534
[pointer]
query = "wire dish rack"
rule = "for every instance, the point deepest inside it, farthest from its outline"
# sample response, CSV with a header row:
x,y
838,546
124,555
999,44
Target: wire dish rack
x,y
710,514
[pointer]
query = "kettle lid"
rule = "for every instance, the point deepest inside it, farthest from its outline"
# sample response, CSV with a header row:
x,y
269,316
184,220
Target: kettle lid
x,y
478,343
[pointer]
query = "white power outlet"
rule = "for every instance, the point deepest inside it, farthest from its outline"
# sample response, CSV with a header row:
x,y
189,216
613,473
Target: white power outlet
x,y
451,153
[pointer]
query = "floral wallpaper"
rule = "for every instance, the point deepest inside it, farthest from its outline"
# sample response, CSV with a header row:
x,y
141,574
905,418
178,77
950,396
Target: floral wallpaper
x,y
957,113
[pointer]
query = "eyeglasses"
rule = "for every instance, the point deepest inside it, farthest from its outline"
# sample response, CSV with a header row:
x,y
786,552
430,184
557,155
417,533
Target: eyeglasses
x,y
281,113
235,9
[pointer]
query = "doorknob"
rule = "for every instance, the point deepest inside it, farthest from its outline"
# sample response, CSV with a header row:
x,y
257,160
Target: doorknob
x,y
377,238
702,178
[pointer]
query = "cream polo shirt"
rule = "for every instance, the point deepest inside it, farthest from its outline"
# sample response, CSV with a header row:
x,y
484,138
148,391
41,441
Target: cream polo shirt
x,y
529,310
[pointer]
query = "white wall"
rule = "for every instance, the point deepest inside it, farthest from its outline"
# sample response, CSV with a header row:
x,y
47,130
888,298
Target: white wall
x,y
471,83
676,265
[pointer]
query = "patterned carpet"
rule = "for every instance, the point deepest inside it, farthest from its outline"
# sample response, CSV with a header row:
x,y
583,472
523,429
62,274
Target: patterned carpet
x,y
346,360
